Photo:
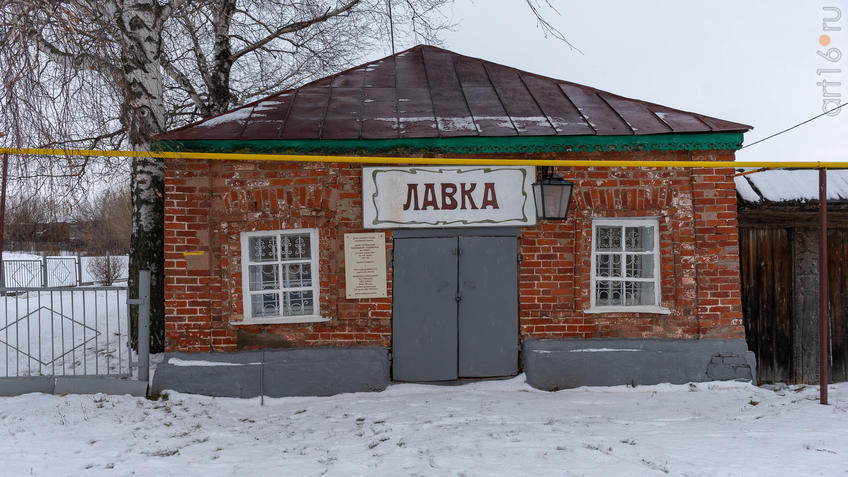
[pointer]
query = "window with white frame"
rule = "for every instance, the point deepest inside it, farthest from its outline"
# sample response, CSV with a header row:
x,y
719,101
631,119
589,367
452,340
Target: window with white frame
x,y
280,276
625,265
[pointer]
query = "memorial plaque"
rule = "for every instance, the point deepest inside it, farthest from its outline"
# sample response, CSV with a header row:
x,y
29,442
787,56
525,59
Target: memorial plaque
x,y
365,265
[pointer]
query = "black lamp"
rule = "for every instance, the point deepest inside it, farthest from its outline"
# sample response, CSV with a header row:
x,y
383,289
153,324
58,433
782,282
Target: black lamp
x,y
553,196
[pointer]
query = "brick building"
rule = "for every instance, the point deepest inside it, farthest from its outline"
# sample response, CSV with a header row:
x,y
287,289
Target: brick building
x,y
340,276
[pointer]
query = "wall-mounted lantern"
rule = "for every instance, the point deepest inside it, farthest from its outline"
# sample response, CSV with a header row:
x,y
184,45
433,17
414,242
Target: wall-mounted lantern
x,y
553,196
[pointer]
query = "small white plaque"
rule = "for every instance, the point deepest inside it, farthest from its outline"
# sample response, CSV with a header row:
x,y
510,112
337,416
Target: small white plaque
x,y
365,265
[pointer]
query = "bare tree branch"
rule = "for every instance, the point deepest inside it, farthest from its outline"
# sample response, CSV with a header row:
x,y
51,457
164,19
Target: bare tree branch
x,y
197,51
297,26
547,27
169,8
91,141
78,61
183,81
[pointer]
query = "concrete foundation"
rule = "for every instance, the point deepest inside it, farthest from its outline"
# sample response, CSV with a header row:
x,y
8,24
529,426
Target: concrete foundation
x,y
275,373
548,364
26,385
561,364
71,385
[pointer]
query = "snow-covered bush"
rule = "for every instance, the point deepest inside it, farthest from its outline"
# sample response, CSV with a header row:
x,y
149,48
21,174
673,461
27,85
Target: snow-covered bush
x,y
106,270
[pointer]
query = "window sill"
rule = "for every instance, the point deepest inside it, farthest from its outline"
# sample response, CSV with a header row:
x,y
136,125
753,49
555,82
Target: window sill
x,y
655,310
280,320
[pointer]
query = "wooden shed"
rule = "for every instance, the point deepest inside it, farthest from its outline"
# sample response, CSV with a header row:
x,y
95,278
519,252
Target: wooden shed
x,y
779,252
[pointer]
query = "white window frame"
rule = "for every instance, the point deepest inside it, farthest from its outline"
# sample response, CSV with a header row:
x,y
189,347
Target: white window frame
x,y
315,248
657,280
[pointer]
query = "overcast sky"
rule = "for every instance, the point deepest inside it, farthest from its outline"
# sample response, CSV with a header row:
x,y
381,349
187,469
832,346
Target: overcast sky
x,y
750,61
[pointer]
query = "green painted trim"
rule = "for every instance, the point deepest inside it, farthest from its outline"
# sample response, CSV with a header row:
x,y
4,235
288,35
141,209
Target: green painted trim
x,y
469,145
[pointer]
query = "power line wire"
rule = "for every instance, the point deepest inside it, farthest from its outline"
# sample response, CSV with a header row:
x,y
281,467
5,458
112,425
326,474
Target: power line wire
x,y
793,127
391,25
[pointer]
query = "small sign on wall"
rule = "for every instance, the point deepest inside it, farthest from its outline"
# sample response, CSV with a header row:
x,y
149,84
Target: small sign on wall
x,y
447,196
365,265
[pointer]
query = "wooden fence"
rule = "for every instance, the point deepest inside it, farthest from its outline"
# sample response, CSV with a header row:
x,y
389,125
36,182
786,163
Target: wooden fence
x,y
780,300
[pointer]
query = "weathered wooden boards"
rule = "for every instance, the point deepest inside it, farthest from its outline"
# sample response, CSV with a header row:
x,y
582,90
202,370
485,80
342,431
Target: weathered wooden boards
x,y
780,301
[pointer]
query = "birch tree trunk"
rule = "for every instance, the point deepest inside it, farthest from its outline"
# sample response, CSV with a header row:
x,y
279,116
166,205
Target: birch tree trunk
x,y
219,90
78,73
143,115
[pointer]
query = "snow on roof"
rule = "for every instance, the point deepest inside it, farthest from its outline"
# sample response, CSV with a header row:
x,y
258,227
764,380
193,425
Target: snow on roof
x,y
429,92
790,186
234,116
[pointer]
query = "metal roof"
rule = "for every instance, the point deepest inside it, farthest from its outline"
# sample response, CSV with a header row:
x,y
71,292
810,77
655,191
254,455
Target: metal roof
x,y
429,92
790,186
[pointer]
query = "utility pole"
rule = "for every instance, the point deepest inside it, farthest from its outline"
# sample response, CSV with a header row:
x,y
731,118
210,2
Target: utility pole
x,y
824,340
3,182
391,25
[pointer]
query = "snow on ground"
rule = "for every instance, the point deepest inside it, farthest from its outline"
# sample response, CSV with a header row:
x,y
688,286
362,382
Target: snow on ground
x,y
482,429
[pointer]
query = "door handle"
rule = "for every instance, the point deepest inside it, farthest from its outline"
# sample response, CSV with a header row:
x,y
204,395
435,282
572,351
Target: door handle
x,y
458,297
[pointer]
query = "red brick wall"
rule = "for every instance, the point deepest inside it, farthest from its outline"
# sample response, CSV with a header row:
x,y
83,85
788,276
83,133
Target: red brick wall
x,y
699,261
209,203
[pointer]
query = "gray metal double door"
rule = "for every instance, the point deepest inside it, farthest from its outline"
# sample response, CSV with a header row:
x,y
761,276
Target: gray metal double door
x,y
455,308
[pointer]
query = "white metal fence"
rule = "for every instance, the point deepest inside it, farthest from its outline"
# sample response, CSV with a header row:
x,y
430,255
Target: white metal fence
x,y
57,271
54,331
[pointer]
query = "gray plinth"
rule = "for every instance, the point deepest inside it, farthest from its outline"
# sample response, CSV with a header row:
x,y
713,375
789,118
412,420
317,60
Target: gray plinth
x,y
24,385
95,384
71,385
561,364
275,373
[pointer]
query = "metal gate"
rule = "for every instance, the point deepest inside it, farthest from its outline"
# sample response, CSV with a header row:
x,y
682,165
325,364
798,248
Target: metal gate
x,y
61,331
55,333
455,307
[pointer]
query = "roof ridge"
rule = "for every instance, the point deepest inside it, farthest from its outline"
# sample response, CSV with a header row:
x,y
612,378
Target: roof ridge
x,y
661,106
348,70
291,90
500,100
615,111
592,88
536,102
615,107
430,95
576,108
286,118
579,85
465,97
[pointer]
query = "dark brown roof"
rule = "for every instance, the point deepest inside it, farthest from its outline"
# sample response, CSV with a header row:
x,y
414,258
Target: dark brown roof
x,y
428,92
